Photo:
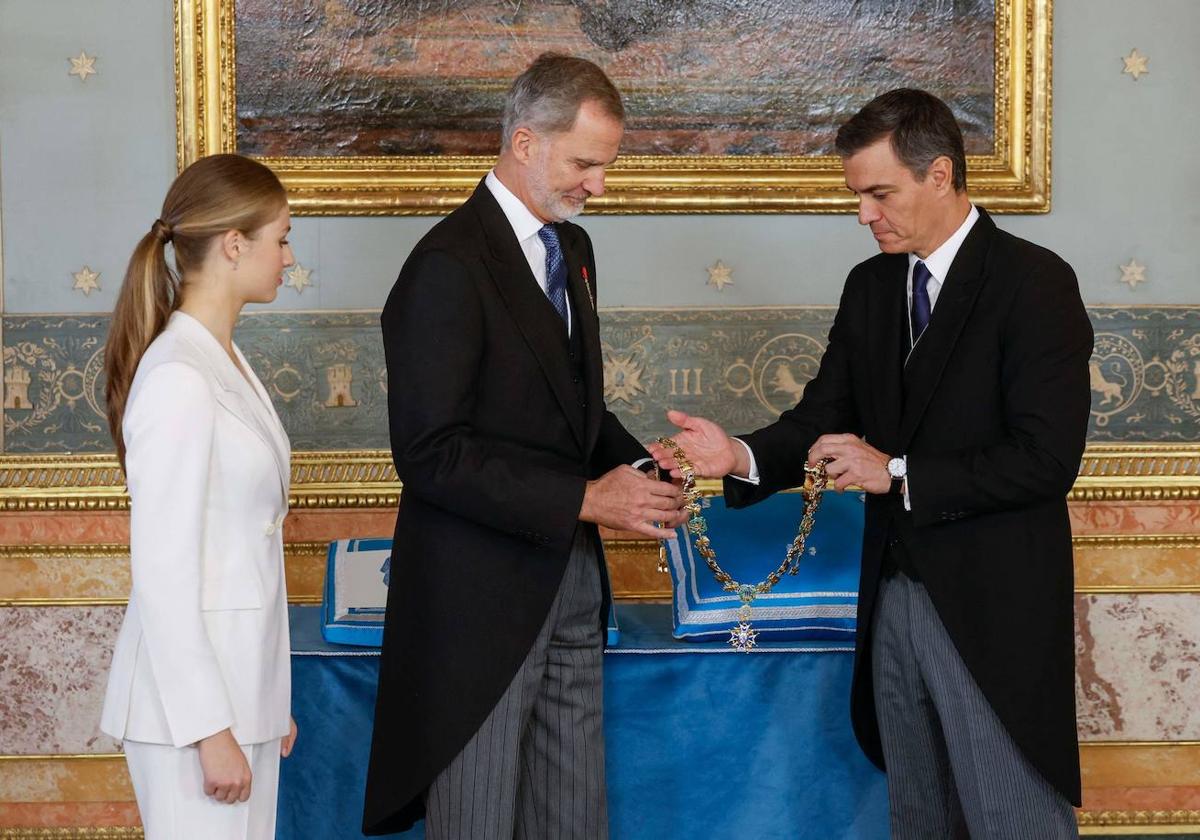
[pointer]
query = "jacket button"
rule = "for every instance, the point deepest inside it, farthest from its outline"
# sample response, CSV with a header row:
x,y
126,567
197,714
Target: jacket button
x,y
277,525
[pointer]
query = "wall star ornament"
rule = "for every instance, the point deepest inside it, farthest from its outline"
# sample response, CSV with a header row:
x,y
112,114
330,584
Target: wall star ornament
x,y
1133,273
298,278
1135,64
86,281
83,66
720,275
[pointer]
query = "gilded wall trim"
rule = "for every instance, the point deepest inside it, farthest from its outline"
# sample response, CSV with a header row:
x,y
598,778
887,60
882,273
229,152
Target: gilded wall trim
x,y
1091,823
364,479
119,552
73,833
1102,823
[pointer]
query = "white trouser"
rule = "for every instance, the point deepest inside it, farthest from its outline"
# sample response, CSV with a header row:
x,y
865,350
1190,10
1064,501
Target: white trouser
x,y
169,786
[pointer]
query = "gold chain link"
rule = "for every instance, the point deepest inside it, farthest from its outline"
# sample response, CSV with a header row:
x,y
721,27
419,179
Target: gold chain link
x,y
815,479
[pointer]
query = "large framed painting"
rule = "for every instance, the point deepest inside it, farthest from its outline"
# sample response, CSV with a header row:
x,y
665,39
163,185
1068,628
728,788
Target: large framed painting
x,y
392,106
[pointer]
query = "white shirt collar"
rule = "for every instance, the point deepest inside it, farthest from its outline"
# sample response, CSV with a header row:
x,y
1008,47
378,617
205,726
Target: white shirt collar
x,y
940,260
524,223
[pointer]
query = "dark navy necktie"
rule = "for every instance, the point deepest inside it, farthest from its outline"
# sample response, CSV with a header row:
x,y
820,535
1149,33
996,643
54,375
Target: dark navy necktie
x,y
556,271
921,309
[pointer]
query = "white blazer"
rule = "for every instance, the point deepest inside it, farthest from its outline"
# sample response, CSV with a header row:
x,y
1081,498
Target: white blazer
x,y
204,644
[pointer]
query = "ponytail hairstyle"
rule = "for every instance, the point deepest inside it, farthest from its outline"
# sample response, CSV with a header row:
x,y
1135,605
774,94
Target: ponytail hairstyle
x,y
211,197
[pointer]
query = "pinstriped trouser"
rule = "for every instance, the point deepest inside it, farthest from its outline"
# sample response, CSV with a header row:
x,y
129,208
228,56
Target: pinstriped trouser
x,y
535,768
953,770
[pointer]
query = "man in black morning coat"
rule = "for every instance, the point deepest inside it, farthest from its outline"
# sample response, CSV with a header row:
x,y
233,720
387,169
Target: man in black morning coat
x,y
954,390
489,709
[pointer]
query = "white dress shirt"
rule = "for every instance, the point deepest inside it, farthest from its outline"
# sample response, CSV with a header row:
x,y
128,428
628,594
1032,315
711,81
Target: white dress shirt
x,y
526,226
938,263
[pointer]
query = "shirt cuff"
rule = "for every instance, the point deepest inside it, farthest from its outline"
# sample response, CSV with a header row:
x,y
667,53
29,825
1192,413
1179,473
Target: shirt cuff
x,y
641,462
904,487
752,477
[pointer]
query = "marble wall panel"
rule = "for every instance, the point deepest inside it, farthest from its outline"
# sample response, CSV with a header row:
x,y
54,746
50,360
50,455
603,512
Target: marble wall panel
x,y
65,780
1152,562
1089,518
1138,667
64,528
58,572
66,814
1138,661
53,672
739,366
1149,798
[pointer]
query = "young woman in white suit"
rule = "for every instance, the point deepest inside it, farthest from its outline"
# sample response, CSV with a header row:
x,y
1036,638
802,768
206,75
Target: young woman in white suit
x,y
200,688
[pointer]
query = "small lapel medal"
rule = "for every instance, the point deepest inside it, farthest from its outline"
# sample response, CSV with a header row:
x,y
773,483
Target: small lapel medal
x,y
588,286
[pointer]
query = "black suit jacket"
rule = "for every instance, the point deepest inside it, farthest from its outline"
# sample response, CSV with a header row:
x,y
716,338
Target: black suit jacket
x,y
494,442
991,410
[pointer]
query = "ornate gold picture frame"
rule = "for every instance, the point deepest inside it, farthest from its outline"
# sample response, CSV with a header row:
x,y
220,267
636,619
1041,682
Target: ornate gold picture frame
x,y
1013,178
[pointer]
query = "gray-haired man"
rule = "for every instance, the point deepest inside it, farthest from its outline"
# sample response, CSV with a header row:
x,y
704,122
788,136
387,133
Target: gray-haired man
x,y
489,710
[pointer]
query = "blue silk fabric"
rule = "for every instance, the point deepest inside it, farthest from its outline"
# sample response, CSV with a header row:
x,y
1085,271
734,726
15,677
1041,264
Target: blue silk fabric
x,y
702,742
819,602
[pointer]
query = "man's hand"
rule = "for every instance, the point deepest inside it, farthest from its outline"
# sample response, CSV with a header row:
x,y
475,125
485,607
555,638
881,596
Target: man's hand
x,y
630,500
713,453
854,462
226,773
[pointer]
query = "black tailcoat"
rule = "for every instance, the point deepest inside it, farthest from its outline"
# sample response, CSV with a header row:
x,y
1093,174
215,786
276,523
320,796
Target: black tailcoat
x,y
991,408
493,439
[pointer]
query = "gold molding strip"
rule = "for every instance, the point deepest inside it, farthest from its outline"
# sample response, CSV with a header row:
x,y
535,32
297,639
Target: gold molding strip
x,y
1127,541
1138,823
1083,745
1138,472
120,551
366,479
616,549
1091,823
65,757
73,833
1110,823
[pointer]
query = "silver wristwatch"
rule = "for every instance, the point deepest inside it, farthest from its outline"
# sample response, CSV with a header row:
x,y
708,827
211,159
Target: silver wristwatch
x,y
898,469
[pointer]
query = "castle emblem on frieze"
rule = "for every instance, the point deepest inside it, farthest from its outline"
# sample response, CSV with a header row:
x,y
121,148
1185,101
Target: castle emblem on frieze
x,y
16,387
340,377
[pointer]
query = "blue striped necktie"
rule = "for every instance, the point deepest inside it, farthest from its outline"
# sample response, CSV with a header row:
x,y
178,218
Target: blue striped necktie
x,y
556,271
921,309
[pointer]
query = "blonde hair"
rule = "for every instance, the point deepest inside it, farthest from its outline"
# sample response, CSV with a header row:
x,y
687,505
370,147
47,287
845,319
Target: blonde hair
x,y
212,196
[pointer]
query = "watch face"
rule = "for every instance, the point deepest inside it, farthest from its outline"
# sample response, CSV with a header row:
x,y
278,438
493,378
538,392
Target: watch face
x,y
896,468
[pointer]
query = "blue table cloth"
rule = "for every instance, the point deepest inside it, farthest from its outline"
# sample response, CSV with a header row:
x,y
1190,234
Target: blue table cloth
x,y
702,742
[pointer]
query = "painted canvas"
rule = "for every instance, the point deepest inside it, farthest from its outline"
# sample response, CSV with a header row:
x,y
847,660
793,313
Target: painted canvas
x,y
404,78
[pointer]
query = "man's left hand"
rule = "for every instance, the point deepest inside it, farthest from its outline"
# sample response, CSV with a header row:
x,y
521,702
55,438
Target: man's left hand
x,y
854,462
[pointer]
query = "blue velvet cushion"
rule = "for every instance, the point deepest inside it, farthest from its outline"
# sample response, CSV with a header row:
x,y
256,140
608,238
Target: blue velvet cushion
x,y
820,602
358,573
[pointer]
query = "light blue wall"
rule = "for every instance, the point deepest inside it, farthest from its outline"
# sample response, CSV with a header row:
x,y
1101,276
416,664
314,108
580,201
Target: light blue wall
x,y
84,166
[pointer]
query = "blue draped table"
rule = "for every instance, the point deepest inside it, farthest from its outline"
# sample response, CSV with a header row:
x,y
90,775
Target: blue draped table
x,y
702,742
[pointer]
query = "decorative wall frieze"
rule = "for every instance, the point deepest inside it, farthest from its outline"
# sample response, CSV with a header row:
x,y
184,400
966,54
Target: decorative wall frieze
x,y
367,478
738,366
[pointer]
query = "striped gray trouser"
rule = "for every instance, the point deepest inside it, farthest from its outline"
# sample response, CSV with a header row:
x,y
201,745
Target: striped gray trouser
x,y
953,770
535,768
